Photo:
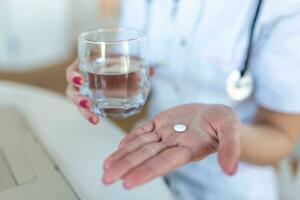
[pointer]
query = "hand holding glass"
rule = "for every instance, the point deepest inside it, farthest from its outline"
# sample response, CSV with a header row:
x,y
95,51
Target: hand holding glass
x,y
115,68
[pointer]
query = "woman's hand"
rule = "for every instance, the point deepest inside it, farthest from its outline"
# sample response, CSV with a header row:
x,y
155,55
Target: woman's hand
x,y
155,149
75,80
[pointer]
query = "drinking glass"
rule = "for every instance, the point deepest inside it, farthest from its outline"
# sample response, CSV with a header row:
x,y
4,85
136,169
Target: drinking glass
x,y
114,63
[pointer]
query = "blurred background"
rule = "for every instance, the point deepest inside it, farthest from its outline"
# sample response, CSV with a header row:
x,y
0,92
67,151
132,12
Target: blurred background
x,y
38,41
38,38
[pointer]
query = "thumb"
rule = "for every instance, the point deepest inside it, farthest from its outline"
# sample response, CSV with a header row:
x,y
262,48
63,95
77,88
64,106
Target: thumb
x,y
229,149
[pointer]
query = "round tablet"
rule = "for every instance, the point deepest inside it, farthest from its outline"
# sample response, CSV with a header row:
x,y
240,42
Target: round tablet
x,y
180,128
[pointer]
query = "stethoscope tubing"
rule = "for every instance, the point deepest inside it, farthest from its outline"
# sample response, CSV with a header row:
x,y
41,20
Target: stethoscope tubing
x,y
249,49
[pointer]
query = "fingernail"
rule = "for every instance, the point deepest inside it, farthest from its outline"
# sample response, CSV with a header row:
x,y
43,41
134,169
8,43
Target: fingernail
x,y
84,104
234,169
127,185
93,120
77,80
106,180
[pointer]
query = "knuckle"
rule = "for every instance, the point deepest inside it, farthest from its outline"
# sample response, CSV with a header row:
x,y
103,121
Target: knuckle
x,y
163,131
127,148
128,161
150,149
144,138
76,99
148,138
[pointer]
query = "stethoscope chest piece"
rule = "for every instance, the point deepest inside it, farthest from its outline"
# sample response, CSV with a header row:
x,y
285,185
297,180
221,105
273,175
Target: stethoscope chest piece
x,y
239,87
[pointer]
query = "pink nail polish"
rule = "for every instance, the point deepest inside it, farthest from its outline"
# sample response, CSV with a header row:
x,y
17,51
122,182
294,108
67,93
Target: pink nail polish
x,y
92,120
106,180
77,80
127,185
84,104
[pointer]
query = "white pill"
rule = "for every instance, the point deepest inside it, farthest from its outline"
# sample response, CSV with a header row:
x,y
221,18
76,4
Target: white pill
x,y
180,128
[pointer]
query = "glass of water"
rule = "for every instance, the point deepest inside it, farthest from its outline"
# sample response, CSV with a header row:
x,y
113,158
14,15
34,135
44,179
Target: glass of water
x,y
114,63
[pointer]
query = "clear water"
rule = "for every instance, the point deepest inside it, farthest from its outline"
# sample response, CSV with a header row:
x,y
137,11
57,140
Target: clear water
x,y
118,86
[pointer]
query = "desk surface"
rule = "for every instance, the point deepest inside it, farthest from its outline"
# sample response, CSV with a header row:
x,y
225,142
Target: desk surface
x,y
76,146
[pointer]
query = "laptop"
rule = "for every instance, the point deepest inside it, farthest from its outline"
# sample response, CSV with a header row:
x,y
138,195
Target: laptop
x,y
60,164
26,170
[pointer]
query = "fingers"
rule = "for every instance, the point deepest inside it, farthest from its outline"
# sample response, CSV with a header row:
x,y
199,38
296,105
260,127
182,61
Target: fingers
x,y
73,76
73,94
92,117
229,149
121,167
75,80
130,147
136,132
83,103
165,162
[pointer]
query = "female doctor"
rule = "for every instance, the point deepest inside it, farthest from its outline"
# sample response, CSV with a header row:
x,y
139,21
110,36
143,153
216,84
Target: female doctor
x,y
225,101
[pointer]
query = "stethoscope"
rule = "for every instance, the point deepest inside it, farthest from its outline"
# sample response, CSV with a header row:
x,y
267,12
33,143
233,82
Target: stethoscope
x,y
239,84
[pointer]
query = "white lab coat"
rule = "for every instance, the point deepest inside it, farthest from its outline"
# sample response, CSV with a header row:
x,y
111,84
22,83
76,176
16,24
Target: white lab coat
x,y
197,72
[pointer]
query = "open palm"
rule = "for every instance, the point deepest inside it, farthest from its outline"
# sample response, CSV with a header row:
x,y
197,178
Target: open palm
x,y
155,149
